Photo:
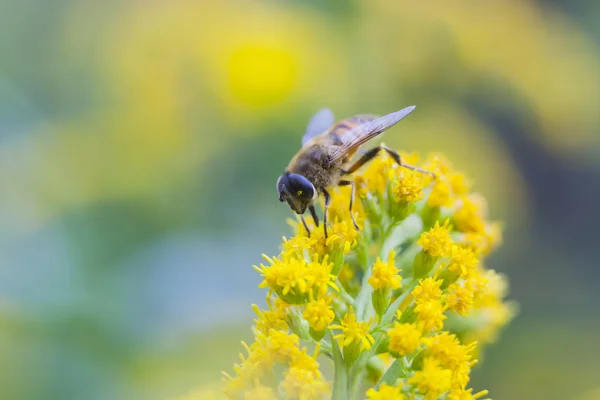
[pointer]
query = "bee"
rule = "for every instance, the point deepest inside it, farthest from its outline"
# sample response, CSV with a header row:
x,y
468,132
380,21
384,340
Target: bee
x,y
323,160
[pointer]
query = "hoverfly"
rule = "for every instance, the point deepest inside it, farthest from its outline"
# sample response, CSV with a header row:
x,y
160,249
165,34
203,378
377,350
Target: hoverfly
x,y
322,162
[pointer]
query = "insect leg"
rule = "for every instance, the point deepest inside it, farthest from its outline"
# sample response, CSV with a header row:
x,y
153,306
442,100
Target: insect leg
x,y
327,198
313,212
394,154
305,225
368,156
351,183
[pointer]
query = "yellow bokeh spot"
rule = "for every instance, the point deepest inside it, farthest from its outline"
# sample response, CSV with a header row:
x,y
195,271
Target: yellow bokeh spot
x,y
261,75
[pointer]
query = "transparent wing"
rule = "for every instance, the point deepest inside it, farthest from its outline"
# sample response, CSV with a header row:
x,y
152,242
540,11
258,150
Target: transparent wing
x,y
319,123
367,131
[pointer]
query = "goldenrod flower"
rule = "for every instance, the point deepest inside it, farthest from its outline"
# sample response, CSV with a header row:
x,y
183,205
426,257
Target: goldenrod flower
x,y
385,392
385,274
459,299
404,338
431,315
441,194
408,186
470,216
463,260
466,394
427,290
319,313
329,293
273,318
299,383
354,331
432,381
437,241
260,392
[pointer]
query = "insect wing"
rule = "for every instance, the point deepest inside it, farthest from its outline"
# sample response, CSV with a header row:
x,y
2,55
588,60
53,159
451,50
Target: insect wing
x,y
367,131
319,123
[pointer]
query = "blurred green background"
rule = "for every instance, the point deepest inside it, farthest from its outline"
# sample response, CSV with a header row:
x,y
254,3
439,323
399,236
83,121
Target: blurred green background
x,y
140,142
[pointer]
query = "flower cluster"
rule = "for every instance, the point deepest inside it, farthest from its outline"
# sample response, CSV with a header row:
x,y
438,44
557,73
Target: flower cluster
x,y
399,309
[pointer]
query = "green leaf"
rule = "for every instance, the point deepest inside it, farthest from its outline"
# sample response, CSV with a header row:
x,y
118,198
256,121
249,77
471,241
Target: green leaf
x,y
395,371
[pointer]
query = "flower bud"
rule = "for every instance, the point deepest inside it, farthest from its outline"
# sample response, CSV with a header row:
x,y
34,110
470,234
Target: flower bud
x,y
422,264
381,301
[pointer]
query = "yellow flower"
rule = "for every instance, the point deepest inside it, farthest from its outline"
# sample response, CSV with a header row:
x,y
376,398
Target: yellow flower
x,y
441,194
260,392
319,314
463,260
296,246
459,183
459,299
446,348
354,331
470,216
374,178
301,277
303,384
404,338
278,345
294,279
427,290
408,186
303,361
432,380
431,315
438,164
273,318
385,274
462,394
385,392
437,241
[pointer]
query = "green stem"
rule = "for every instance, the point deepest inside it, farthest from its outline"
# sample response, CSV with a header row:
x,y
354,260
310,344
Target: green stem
x,y
340,388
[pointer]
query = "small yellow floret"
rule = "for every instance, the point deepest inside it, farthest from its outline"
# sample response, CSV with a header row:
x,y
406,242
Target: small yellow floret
x,y
319,314
441,194
437,241
408,187
385,274
463,394
463,260
385,392
470,217
432,380
260,392
299,383
427,290
459,299
404,338
353,330
431,315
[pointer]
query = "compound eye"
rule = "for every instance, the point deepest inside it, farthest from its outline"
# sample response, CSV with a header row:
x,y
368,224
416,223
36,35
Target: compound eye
x,y
300,187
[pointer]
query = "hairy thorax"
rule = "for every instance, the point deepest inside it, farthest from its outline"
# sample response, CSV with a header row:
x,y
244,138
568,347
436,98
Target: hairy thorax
x,y
313,163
